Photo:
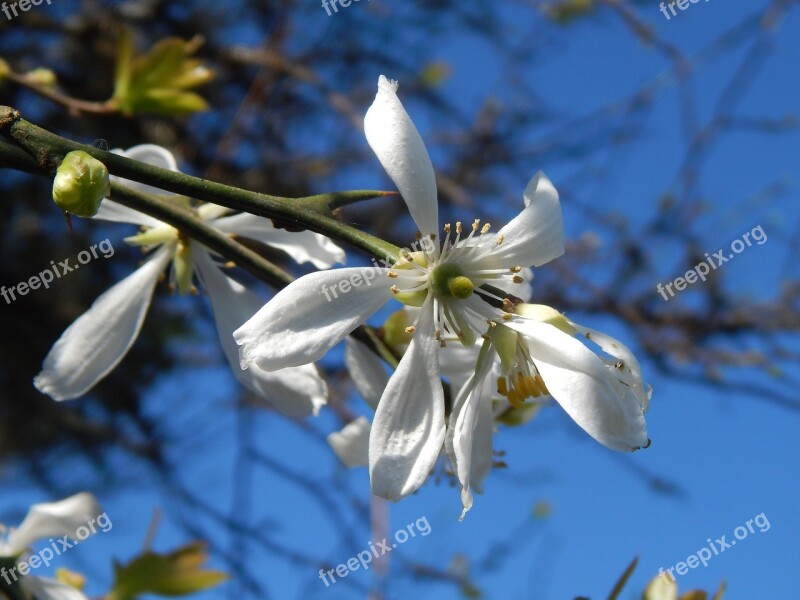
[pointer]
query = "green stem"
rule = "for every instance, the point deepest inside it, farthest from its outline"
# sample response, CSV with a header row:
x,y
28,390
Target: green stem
x,y
188,223
48,149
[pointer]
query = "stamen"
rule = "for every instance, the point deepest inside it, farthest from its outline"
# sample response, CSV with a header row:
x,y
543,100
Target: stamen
x,y
500,239
517,279
516,269
507,316
508,305
485,229
411,329
395,289
229,265
447,227
393,274
458,227
502,388
476,224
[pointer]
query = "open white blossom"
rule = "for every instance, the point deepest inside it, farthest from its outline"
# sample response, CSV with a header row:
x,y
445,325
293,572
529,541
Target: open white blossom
x,y
44,521
539,355
94,344
441,279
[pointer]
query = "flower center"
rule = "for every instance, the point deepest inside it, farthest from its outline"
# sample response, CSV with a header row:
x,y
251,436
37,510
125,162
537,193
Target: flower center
x,y
449,281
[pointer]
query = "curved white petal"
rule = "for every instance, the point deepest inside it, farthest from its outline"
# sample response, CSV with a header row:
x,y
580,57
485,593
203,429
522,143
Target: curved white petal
x,y
302,246
536,235
296,391
150,154
469,435
310,316
50,589
408,429
585,389
114,211
351,444
396,142
54,519
631,373
99,339
367,371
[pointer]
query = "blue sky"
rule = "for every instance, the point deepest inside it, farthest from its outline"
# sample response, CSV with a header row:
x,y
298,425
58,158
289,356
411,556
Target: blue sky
x,y
730,455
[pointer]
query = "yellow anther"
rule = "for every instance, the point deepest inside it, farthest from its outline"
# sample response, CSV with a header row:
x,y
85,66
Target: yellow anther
x,y
507,316
392,274
230,264
508,305
458,227
516,269
395,289
411,329
475,224
541,384
502,387
447,227
491,323
517,279
500,239
485,229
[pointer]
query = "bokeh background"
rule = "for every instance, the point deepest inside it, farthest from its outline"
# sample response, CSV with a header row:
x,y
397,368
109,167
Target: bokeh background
x,y
667,139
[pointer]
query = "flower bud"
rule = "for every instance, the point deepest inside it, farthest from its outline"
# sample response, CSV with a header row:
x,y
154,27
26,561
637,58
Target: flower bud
x,y
80,184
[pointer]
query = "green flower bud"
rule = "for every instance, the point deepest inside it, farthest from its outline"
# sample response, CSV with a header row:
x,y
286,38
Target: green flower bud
x,y
80,184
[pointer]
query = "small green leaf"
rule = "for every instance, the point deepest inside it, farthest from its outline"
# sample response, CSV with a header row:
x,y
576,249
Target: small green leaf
x,y
177,573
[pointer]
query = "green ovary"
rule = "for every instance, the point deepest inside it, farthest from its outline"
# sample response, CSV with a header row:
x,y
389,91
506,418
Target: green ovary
x,y
449,281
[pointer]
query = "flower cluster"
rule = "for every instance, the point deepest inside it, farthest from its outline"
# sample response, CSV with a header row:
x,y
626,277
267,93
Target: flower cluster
x,y
465,318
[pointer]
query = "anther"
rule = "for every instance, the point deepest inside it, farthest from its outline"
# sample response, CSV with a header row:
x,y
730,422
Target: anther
x,y
458,227
507,316
485,229
517,279
230,264
476,224
516,269
395,289
411,329
447,227
392,274
500,239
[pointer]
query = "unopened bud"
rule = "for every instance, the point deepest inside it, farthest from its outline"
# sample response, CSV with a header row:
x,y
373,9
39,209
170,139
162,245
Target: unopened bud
x,y
80,184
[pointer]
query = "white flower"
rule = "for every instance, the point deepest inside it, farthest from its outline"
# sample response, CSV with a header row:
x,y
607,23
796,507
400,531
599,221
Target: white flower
x,y
94,344
540,356
302,322
48,520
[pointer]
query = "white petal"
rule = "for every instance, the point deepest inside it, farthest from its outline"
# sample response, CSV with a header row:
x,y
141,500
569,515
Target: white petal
x,y
397,144
150,154
631,373
302,246
585,389
408,429
296,391
536,235
113,211
367,371
50,589
310,316
351,444
469,442
99,339
54,519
